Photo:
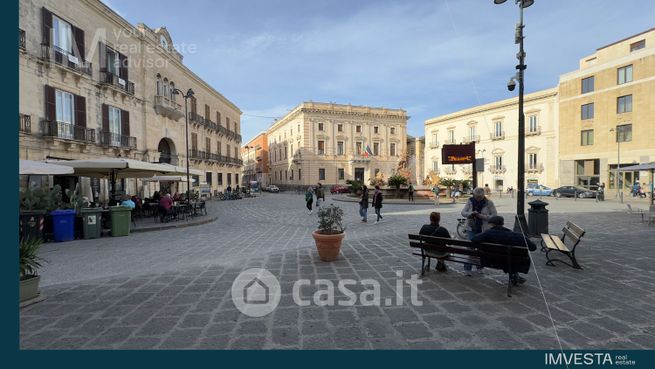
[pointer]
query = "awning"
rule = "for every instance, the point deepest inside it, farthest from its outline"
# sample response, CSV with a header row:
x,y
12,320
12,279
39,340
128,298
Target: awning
x,y
168,179
31,167
638,167
118,167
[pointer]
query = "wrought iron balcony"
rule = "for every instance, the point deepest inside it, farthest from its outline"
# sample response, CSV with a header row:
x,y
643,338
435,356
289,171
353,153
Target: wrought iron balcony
x,y
434,144
25,123
168,108
108,78
21,39
450,170
534,168
117,140
68,131
498,136
534,132
65,59
450,141
497,169
469,139
168,158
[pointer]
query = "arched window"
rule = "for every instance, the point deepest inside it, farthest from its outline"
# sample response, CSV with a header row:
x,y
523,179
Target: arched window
x,y
172,91
159,86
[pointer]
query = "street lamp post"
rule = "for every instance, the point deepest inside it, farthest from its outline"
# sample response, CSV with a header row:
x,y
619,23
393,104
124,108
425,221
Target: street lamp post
x,y
619,183
520,224
187,96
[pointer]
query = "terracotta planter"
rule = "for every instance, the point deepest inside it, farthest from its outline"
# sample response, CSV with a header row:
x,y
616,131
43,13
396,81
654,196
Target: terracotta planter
x,y
29,288
328,245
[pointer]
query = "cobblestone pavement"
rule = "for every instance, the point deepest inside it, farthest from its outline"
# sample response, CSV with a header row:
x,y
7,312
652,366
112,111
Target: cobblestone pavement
x,y
171,289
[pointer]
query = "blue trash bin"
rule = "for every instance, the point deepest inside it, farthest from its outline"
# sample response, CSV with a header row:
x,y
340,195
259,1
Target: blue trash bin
x,y
63,225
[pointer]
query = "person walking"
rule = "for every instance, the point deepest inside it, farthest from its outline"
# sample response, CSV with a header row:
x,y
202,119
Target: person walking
x,y
320,195
363,204
478,210
410,192
436,191
309,198
601,192
377,203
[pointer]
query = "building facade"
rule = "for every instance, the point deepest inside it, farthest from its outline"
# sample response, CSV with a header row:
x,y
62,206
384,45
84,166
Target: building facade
x,y
332,143
606,115
94,86
255,160
494,130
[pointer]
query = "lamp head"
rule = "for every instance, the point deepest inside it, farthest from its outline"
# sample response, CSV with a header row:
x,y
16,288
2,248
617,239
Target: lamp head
x,y
526,3
189,93
499,1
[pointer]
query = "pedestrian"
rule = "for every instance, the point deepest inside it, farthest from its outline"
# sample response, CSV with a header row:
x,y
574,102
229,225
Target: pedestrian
x,y
410,192
487,190
436,191
363,204
377,203
601,192
478,210
635,189
309,198
320,195
434,229
503,236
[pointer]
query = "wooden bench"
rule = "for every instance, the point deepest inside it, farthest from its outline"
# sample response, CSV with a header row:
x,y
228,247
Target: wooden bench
x,y
635,212
550,243
510,259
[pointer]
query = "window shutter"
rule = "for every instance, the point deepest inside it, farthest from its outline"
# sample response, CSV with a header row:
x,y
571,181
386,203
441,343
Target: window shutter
x,y
105,118
78,34
125,122
123,71
80,111
47,26
102,50
50,104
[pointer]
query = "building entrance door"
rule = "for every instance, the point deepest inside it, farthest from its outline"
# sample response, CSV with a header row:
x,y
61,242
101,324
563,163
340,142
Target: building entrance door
x,y
359,175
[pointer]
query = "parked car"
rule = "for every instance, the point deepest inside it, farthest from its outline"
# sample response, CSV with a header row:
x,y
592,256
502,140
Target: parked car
x,y
339,189
272,188
572,191
539,190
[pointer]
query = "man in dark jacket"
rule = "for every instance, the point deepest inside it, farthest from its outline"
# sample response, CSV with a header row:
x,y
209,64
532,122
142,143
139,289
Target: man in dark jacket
x,y
503,236
363,205
434,229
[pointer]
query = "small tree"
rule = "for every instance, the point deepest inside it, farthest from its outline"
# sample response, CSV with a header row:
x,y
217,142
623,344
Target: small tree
x,y
397,180
330,220
356,186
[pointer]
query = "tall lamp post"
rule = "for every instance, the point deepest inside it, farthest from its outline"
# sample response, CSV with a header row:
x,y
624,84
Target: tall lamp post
x,y
619,183
187,96
520,224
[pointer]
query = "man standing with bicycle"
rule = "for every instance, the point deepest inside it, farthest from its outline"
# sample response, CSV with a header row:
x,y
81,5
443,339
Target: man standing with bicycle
x,y
478,210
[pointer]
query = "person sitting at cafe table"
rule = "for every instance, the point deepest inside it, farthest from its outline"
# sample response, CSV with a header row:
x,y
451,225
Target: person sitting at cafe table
x,y
176,197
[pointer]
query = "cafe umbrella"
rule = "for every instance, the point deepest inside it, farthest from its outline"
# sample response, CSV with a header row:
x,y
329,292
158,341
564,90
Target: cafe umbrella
x,y
39,168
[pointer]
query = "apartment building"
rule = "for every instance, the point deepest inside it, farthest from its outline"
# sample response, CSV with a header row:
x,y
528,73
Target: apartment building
x,y
255,160
332,143
94,86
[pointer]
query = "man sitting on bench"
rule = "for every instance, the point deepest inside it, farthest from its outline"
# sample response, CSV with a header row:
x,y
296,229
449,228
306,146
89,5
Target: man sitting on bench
x,y
503,236
434,229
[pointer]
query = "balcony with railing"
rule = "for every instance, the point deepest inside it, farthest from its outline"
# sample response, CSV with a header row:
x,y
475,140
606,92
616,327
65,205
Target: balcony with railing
x,y
450,141
68,131
168,108
434,144
469,139
450,170
168,158
117,140
498,136
110,79
534,168
21,39
65,59
533,131
497,169
25,123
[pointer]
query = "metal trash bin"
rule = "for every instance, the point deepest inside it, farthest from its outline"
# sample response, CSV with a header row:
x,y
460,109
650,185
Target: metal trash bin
x,y
537,218
92,222
121,217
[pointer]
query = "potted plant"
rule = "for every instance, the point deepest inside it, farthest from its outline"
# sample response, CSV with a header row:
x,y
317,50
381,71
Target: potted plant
x,y
396,181
35,203
330,232
29,263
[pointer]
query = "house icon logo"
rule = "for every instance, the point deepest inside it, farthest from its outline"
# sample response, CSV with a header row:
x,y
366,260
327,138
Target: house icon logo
x,y
256,292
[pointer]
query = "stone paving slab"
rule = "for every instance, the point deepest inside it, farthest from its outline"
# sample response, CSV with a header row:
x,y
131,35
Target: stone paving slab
x,y
182,299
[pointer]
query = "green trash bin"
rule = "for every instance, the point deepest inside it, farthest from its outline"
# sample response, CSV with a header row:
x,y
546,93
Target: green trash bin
x,y
121,217
92,222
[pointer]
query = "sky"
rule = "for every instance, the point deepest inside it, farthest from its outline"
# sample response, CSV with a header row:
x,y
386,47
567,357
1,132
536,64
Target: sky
x,y
429,58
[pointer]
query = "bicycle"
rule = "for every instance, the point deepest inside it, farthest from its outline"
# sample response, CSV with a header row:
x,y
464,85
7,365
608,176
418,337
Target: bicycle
x,y
461,228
